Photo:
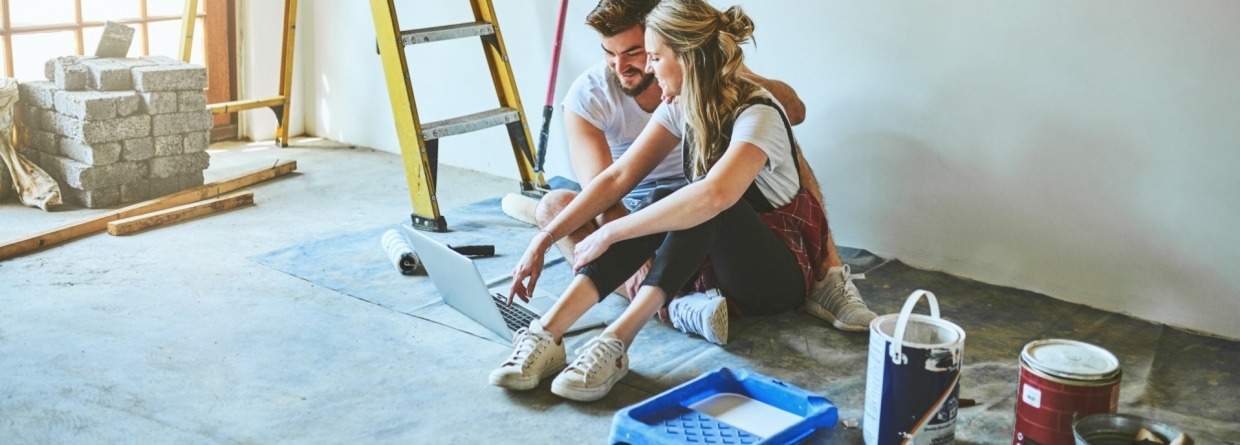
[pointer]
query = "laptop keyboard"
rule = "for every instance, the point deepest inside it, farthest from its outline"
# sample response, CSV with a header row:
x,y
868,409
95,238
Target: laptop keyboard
x,y
516,316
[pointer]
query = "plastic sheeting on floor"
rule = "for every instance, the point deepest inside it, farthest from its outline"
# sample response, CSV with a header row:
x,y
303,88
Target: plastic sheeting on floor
x,y
1175,376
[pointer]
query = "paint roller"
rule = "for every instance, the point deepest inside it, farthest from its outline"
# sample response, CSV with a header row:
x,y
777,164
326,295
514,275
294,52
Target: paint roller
x,y
520,207
400,253
402,256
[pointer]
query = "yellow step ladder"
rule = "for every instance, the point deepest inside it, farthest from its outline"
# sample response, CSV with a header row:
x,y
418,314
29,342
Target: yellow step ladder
x,y
278,104
419,142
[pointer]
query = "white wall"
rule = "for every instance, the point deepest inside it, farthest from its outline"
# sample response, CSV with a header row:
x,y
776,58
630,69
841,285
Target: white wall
x,y
1086,150
260,30
350,100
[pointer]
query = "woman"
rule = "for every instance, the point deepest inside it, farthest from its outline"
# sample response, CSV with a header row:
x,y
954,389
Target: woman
x,y
745,208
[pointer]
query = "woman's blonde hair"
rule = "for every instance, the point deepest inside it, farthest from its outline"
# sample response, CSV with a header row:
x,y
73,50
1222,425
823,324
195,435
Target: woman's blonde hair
x,y
707,44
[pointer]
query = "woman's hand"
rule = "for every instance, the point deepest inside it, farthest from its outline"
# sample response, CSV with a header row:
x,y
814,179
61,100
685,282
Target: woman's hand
x,y
530,266
593,246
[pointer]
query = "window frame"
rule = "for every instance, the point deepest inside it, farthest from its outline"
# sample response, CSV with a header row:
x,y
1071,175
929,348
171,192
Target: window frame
x,y
218,22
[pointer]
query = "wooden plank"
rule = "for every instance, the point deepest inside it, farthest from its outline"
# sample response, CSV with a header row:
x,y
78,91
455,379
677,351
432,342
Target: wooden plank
x,y
242,105
177,214
100,223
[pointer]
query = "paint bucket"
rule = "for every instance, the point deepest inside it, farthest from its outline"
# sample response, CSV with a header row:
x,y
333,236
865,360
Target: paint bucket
x,y
913,377
1061,381
1120,429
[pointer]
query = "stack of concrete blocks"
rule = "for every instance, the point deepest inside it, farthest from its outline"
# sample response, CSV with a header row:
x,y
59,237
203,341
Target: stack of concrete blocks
x,y
114,131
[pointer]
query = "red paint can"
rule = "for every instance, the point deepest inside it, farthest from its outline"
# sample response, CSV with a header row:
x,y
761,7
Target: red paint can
x,y
1061,380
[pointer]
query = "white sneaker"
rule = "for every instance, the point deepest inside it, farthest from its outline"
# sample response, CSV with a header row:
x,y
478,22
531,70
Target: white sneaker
x,y
600,363
536,356
702,313
839,302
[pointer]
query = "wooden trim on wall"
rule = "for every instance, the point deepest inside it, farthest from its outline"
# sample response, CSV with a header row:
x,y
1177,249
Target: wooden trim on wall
x,y
220,29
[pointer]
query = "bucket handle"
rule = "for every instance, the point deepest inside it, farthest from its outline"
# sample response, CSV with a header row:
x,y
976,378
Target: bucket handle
x,y
897,352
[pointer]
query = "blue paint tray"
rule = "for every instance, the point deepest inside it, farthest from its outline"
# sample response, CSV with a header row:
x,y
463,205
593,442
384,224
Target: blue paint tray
x,y
725,407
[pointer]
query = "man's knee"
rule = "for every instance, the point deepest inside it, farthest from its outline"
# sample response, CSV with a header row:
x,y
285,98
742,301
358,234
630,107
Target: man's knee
x,y
655,195
551,205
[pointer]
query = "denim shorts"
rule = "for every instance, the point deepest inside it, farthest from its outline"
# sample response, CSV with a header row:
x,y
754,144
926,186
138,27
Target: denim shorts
x,y
639,193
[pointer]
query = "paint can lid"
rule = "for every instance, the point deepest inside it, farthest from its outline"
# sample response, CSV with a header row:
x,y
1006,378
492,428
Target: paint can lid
x,y
1070,359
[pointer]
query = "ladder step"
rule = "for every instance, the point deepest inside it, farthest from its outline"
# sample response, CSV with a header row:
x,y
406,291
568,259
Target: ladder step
x,y
471,122
446,32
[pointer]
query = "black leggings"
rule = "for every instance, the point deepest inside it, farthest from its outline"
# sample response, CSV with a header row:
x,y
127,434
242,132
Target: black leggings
x,y
753,268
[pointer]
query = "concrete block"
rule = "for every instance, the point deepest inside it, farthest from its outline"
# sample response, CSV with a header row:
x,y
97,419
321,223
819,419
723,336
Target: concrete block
x,y
69,74
178,123
30,117
170,145
132,62
185,76
87,177
85,105
95,105
191,180
96,132
127,103
193,100
37,140
115,40
95,155
164,186
171,166
93,199
38,94
136,191
47,120
49,70
50,164
197,141
160,102
108,75
161,60
46,142
138,149
167,186
135,126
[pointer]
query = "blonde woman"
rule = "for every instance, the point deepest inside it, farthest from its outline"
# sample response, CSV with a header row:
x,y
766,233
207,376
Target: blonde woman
x,y
745,209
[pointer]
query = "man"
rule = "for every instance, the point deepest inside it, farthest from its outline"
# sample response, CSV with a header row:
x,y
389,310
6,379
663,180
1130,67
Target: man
x,y
607,107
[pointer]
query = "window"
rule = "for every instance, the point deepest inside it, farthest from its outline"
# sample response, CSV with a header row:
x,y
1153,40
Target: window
x,y
33,31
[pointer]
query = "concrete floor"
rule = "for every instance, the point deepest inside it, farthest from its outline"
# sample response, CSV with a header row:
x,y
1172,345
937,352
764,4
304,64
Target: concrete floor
x,y
174,336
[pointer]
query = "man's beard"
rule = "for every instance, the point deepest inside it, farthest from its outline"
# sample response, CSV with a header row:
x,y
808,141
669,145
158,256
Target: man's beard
x,y
647,79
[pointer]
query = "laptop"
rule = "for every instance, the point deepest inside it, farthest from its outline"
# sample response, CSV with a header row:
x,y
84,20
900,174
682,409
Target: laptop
x,y
462,287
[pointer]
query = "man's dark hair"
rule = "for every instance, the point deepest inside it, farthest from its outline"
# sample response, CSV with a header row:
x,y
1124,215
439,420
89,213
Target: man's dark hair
x,y
612,17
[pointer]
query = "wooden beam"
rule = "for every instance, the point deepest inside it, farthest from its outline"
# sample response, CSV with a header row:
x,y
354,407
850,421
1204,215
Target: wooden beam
x,y
241,105
178,214
100,223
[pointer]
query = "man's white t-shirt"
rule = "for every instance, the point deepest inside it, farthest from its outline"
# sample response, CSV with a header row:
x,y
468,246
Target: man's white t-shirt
x,y
593,97
761,126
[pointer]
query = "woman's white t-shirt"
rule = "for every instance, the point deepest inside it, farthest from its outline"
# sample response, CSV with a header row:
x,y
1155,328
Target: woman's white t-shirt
x,y
763,127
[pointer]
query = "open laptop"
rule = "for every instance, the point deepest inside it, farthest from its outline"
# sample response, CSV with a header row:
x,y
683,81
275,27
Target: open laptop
x,y
462,287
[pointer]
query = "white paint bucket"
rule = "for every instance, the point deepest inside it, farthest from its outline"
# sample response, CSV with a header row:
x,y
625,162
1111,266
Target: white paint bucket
x,y
913,376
